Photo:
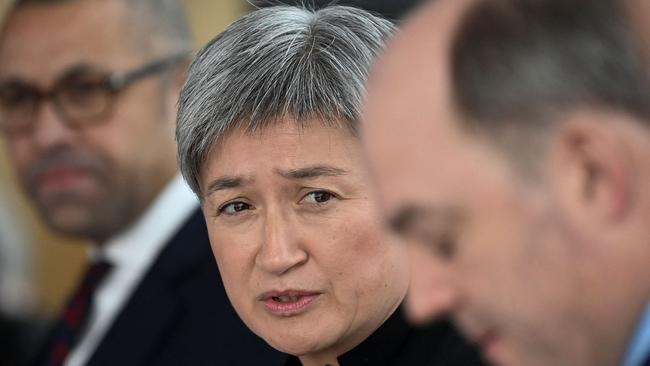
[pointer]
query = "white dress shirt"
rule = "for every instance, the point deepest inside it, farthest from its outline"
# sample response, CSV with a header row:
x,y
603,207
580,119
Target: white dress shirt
x,y
131,253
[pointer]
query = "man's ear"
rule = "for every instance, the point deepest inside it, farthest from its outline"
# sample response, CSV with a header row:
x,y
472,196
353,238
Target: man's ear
x,y
592,168
175,81
179,74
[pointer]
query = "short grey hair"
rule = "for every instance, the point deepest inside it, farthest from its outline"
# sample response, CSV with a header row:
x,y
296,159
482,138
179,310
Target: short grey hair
x,y
275,63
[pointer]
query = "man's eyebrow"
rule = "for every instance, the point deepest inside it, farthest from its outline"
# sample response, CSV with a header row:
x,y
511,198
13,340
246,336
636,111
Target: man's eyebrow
x,y
313,171
227,182
73,70
408,216
80,67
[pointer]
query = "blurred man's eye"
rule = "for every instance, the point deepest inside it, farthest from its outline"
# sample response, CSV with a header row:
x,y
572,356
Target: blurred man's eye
x,y
84,93
445,246
402,222
81,87
17,97
441,242
433,229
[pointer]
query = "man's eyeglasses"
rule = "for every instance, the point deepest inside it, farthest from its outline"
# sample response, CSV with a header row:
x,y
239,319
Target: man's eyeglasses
x,y
81,97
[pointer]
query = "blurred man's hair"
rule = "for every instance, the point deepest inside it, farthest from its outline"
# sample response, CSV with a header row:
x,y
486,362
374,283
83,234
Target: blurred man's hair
x,y
154,26
274,63
518,65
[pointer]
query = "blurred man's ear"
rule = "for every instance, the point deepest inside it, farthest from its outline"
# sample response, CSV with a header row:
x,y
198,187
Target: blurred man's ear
x,y
174,83
432,292
179,74
592,169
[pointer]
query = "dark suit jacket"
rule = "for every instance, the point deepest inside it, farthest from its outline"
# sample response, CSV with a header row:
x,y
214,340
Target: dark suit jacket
x,y
180,315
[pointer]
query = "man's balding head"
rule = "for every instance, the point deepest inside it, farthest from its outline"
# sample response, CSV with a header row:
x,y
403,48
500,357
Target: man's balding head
x,y
510,140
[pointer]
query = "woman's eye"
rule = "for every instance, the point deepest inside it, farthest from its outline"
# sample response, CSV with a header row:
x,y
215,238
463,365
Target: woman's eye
x,y
234,208
318,197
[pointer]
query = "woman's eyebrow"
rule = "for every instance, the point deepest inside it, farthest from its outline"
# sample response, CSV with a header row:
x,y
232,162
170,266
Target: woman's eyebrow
x,y
313,171
227,182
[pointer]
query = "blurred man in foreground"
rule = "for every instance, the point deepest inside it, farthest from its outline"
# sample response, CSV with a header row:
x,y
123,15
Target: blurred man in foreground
x,y
88,91
511,143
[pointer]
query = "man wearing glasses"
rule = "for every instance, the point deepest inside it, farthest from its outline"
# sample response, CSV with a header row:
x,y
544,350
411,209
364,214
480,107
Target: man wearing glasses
x,y
88,93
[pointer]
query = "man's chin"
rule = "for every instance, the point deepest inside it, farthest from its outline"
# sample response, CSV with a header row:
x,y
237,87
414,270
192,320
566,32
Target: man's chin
x,y
71,221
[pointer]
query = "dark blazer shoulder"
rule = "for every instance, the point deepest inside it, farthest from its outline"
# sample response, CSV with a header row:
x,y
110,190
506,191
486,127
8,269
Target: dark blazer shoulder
x,y
180,315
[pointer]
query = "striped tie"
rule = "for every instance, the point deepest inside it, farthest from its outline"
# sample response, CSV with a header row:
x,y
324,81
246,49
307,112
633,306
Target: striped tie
x,y
75,317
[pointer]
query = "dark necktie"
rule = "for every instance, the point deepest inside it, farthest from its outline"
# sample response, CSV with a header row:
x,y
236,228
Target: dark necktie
x,y
75,316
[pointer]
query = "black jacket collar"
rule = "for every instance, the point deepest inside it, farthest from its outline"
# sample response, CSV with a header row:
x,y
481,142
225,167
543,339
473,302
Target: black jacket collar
x,y
396,343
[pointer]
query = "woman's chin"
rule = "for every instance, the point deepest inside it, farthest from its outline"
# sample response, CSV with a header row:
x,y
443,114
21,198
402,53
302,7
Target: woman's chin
x,y
294,345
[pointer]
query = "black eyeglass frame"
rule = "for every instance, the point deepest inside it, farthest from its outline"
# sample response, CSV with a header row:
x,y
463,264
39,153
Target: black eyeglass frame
x,y
115,82
120,80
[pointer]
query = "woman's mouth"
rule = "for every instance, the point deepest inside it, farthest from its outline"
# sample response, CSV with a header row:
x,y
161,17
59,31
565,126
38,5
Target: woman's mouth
x,y
289,303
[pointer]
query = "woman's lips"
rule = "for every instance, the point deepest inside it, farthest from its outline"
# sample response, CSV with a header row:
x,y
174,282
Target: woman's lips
x,y
288,303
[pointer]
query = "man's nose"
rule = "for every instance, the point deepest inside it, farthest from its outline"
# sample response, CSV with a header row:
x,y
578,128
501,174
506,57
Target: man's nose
x,y
50,128
281,249
432,290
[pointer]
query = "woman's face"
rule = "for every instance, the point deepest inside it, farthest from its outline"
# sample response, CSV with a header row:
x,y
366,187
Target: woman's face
x,y
295,231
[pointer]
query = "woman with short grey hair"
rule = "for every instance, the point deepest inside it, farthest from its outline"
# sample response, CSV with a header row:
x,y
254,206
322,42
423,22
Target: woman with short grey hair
x,y
267,139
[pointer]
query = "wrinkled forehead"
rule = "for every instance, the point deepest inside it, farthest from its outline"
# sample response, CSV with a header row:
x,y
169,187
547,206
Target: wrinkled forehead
x,y
261,128
41,41
278,129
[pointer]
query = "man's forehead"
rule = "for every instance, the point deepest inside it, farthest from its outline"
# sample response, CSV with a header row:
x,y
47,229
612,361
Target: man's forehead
x,y
66,34
422,44
408,116
409,89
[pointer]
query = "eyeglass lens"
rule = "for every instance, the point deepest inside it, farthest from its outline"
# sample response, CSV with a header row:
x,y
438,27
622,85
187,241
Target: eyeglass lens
x,y
80,96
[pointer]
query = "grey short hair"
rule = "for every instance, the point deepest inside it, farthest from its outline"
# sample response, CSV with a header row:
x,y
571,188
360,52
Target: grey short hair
x,y
273,63
153,26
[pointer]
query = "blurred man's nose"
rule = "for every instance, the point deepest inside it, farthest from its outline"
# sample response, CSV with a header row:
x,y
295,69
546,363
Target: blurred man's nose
x,y
49,127
432,292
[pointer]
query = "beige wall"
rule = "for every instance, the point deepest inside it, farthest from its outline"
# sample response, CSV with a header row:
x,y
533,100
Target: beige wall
x,y
209,17
57,260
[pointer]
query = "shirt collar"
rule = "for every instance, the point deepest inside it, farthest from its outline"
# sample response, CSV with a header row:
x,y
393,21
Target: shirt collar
x,y
639,348
146,237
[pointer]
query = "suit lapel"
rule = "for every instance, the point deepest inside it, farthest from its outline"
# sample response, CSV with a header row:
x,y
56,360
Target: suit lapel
x,y
139,329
